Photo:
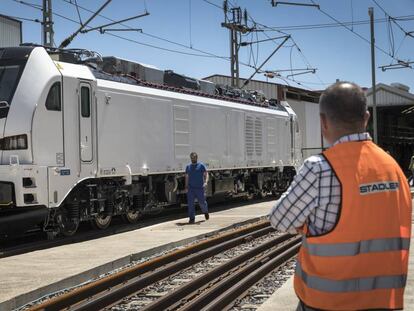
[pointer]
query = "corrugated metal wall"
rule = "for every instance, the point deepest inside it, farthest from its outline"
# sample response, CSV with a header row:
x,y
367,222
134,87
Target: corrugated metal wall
x,y
10,32
385,98
269,89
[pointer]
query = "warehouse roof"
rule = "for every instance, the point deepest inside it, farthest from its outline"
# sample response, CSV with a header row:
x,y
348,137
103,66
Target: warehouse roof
x,y
10,18
391,95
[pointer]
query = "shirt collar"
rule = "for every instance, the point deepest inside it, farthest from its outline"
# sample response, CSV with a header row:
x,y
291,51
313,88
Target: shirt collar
x,y
353,137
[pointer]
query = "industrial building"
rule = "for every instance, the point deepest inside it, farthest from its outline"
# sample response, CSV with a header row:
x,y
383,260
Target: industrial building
x,y
10,31
395,121
395,115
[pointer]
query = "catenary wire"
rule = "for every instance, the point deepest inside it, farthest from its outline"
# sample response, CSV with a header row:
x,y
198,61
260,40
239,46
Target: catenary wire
x,y
127,39
284,33
354,32
207,54
77,10
334,25
352,13
153,46
391,18
391,37
172,42
399,47
190,22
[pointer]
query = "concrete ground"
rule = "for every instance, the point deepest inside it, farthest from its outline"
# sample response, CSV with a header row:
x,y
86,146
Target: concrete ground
x,y
27,277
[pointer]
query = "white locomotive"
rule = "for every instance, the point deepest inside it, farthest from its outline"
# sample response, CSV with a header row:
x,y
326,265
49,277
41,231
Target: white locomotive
x,y
78,144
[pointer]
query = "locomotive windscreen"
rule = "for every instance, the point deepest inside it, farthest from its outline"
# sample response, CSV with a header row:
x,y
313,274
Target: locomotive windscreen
x,y
12,62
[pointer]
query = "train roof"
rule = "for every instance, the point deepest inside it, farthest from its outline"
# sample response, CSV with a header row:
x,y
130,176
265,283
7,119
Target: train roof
x,y
168,94
84,64
273,105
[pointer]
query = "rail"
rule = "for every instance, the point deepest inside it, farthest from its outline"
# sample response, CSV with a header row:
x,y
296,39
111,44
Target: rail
x,y
162,266
231,278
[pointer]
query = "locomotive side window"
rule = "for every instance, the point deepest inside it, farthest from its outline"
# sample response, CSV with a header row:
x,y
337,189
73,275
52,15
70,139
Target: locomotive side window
x,y
85,102
53,100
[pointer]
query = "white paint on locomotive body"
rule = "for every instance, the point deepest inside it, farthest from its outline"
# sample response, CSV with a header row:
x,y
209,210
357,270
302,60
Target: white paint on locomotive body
x,y
109,129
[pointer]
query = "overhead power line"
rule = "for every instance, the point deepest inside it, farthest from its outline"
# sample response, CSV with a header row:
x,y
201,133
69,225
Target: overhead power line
x,y
267,59
256,23
355,33
294,44
69,39
33,5
77,10
333,25
400,64
393,20
207,54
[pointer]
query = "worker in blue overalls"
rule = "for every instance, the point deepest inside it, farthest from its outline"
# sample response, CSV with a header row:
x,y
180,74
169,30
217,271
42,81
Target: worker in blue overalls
x,y
196,179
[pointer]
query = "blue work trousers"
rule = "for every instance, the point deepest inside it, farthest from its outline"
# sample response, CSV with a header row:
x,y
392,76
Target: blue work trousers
x,y
191,195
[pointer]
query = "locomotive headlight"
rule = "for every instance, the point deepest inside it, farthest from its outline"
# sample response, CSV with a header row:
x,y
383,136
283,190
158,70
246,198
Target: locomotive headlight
x,y
14,142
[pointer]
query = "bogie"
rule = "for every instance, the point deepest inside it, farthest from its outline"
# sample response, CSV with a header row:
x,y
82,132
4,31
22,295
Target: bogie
x,y
97,201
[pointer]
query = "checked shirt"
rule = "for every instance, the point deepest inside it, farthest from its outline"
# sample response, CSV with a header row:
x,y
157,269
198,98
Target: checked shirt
x,y
314,195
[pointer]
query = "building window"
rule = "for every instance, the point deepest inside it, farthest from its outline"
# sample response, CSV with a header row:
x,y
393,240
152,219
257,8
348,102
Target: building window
x,y
53,100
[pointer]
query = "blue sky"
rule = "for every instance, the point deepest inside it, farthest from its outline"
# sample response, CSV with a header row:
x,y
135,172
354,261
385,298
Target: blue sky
x,y
336,52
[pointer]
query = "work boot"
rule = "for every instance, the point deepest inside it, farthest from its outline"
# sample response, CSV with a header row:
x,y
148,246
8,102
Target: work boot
x,y
207,216
191,221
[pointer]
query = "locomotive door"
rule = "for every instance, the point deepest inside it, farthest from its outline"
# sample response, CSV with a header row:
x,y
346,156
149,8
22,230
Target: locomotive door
x,y
85,123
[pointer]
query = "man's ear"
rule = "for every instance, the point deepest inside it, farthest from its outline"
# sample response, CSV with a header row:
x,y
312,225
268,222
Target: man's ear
x,y
367,115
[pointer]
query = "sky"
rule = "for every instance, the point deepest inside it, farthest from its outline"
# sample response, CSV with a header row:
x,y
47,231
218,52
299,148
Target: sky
x,y
186,36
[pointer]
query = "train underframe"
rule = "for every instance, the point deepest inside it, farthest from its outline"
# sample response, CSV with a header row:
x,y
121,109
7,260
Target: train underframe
x,y
98,200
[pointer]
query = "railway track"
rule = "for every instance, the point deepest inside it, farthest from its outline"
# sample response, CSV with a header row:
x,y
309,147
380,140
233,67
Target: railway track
x,y
208,275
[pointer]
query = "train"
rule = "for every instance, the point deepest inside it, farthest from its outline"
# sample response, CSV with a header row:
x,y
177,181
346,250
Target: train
x,y
86,138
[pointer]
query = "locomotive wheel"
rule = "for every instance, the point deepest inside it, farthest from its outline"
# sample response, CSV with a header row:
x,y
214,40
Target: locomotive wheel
x,y
67,226
101,222
132,217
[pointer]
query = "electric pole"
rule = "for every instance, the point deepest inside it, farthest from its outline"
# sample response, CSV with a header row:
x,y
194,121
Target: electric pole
x,y
235,26
374,95
47,23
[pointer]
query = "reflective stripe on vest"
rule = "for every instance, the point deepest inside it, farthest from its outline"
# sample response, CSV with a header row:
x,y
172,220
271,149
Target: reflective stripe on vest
x,y
356,248
351,285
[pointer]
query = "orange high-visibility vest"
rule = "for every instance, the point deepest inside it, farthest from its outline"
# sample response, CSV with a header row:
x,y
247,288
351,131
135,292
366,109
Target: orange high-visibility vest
x,y
362,262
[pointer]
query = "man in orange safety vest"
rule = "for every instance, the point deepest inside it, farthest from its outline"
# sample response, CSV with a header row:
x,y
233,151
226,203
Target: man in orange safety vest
x,y
353,205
